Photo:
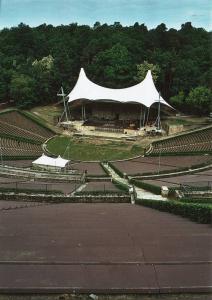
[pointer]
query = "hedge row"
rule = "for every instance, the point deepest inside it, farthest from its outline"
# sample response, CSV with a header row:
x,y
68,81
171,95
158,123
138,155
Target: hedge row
x,y
70,199
8,110
199,200
29,191
196,212
105,169
121,174
99,193
120,185
146,186
100,176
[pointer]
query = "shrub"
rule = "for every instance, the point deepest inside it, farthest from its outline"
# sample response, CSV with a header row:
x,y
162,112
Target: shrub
x,y
100,193
196,212
195,200
146,186
116,169
29,191
123,187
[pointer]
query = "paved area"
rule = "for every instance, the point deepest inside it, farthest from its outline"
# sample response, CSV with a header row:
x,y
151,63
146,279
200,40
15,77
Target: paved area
x,y
203,178
140,193
143,194
24,184
112,248
142,165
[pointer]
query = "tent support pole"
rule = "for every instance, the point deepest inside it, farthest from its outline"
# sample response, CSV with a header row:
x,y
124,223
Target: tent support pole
x,y
159,124
140,116
144,120
82,112
144,117
147,119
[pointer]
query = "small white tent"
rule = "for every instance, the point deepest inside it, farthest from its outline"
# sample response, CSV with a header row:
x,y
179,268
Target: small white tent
x,y
50,163
144,93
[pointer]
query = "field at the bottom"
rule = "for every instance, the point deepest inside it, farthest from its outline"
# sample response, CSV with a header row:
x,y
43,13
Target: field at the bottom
x,y
106,248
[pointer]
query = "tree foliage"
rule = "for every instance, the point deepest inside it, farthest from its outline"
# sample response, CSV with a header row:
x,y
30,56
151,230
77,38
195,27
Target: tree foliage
x,y
142,70
22,89
35,62
200,99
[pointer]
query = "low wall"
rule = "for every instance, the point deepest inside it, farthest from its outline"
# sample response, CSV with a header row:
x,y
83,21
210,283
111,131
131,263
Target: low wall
x,y
66,199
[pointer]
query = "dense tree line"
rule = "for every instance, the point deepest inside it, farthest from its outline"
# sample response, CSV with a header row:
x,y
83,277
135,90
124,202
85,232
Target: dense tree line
x,y
35,62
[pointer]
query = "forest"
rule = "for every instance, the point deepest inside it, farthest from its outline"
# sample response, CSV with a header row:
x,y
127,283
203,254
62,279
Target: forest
x,y
35,62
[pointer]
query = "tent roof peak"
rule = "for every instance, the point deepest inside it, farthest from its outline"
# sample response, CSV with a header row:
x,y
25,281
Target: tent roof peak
x,y
144,92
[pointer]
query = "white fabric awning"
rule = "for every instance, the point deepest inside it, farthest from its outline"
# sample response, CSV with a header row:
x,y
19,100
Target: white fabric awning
x,y
50,161
144,92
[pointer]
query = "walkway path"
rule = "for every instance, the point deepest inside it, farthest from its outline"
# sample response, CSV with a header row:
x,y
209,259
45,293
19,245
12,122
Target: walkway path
x,y
141,193
79,189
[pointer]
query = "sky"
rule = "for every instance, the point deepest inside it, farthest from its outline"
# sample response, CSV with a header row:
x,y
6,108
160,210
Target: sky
x,y
127,12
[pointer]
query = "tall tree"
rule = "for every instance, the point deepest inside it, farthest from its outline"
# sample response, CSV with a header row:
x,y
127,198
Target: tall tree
x,y
22,90
200,100
142,70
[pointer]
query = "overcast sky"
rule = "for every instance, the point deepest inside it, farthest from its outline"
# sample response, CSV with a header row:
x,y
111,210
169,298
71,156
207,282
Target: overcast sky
x,y
151,12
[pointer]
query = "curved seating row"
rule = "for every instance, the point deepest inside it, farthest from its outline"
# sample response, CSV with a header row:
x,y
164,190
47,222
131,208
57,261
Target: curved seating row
x,y
199,141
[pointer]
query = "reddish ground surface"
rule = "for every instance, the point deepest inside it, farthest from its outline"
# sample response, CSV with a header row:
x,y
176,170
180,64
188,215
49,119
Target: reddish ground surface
x,y
4,205
102,248
101,186
151,164
92,168
19,163
199,179
23,184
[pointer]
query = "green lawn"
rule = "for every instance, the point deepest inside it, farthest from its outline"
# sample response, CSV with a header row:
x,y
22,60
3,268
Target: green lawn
x,y
47,112
82,149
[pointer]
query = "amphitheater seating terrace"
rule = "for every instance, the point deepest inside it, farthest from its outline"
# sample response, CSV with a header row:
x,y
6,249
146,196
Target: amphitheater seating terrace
x,y
20,135
101,186
14,123
12,147
197,141
204,176
20,184
148,164
92,168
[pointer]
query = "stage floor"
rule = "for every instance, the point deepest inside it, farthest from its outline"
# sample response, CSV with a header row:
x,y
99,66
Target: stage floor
x,y
102,248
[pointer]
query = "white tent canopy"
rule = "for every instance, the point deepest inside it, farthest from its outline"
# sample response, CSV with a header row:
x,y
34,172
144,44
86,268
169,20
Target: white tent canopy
x,y
144,93
44,160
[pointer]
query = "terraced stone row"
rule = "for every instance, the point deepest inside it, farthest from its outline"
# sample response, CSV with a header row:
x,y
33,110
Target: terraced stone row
x,y
92,168
20,184
194,142
198,178
13,121
15,131
153,164
101,186
11,147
